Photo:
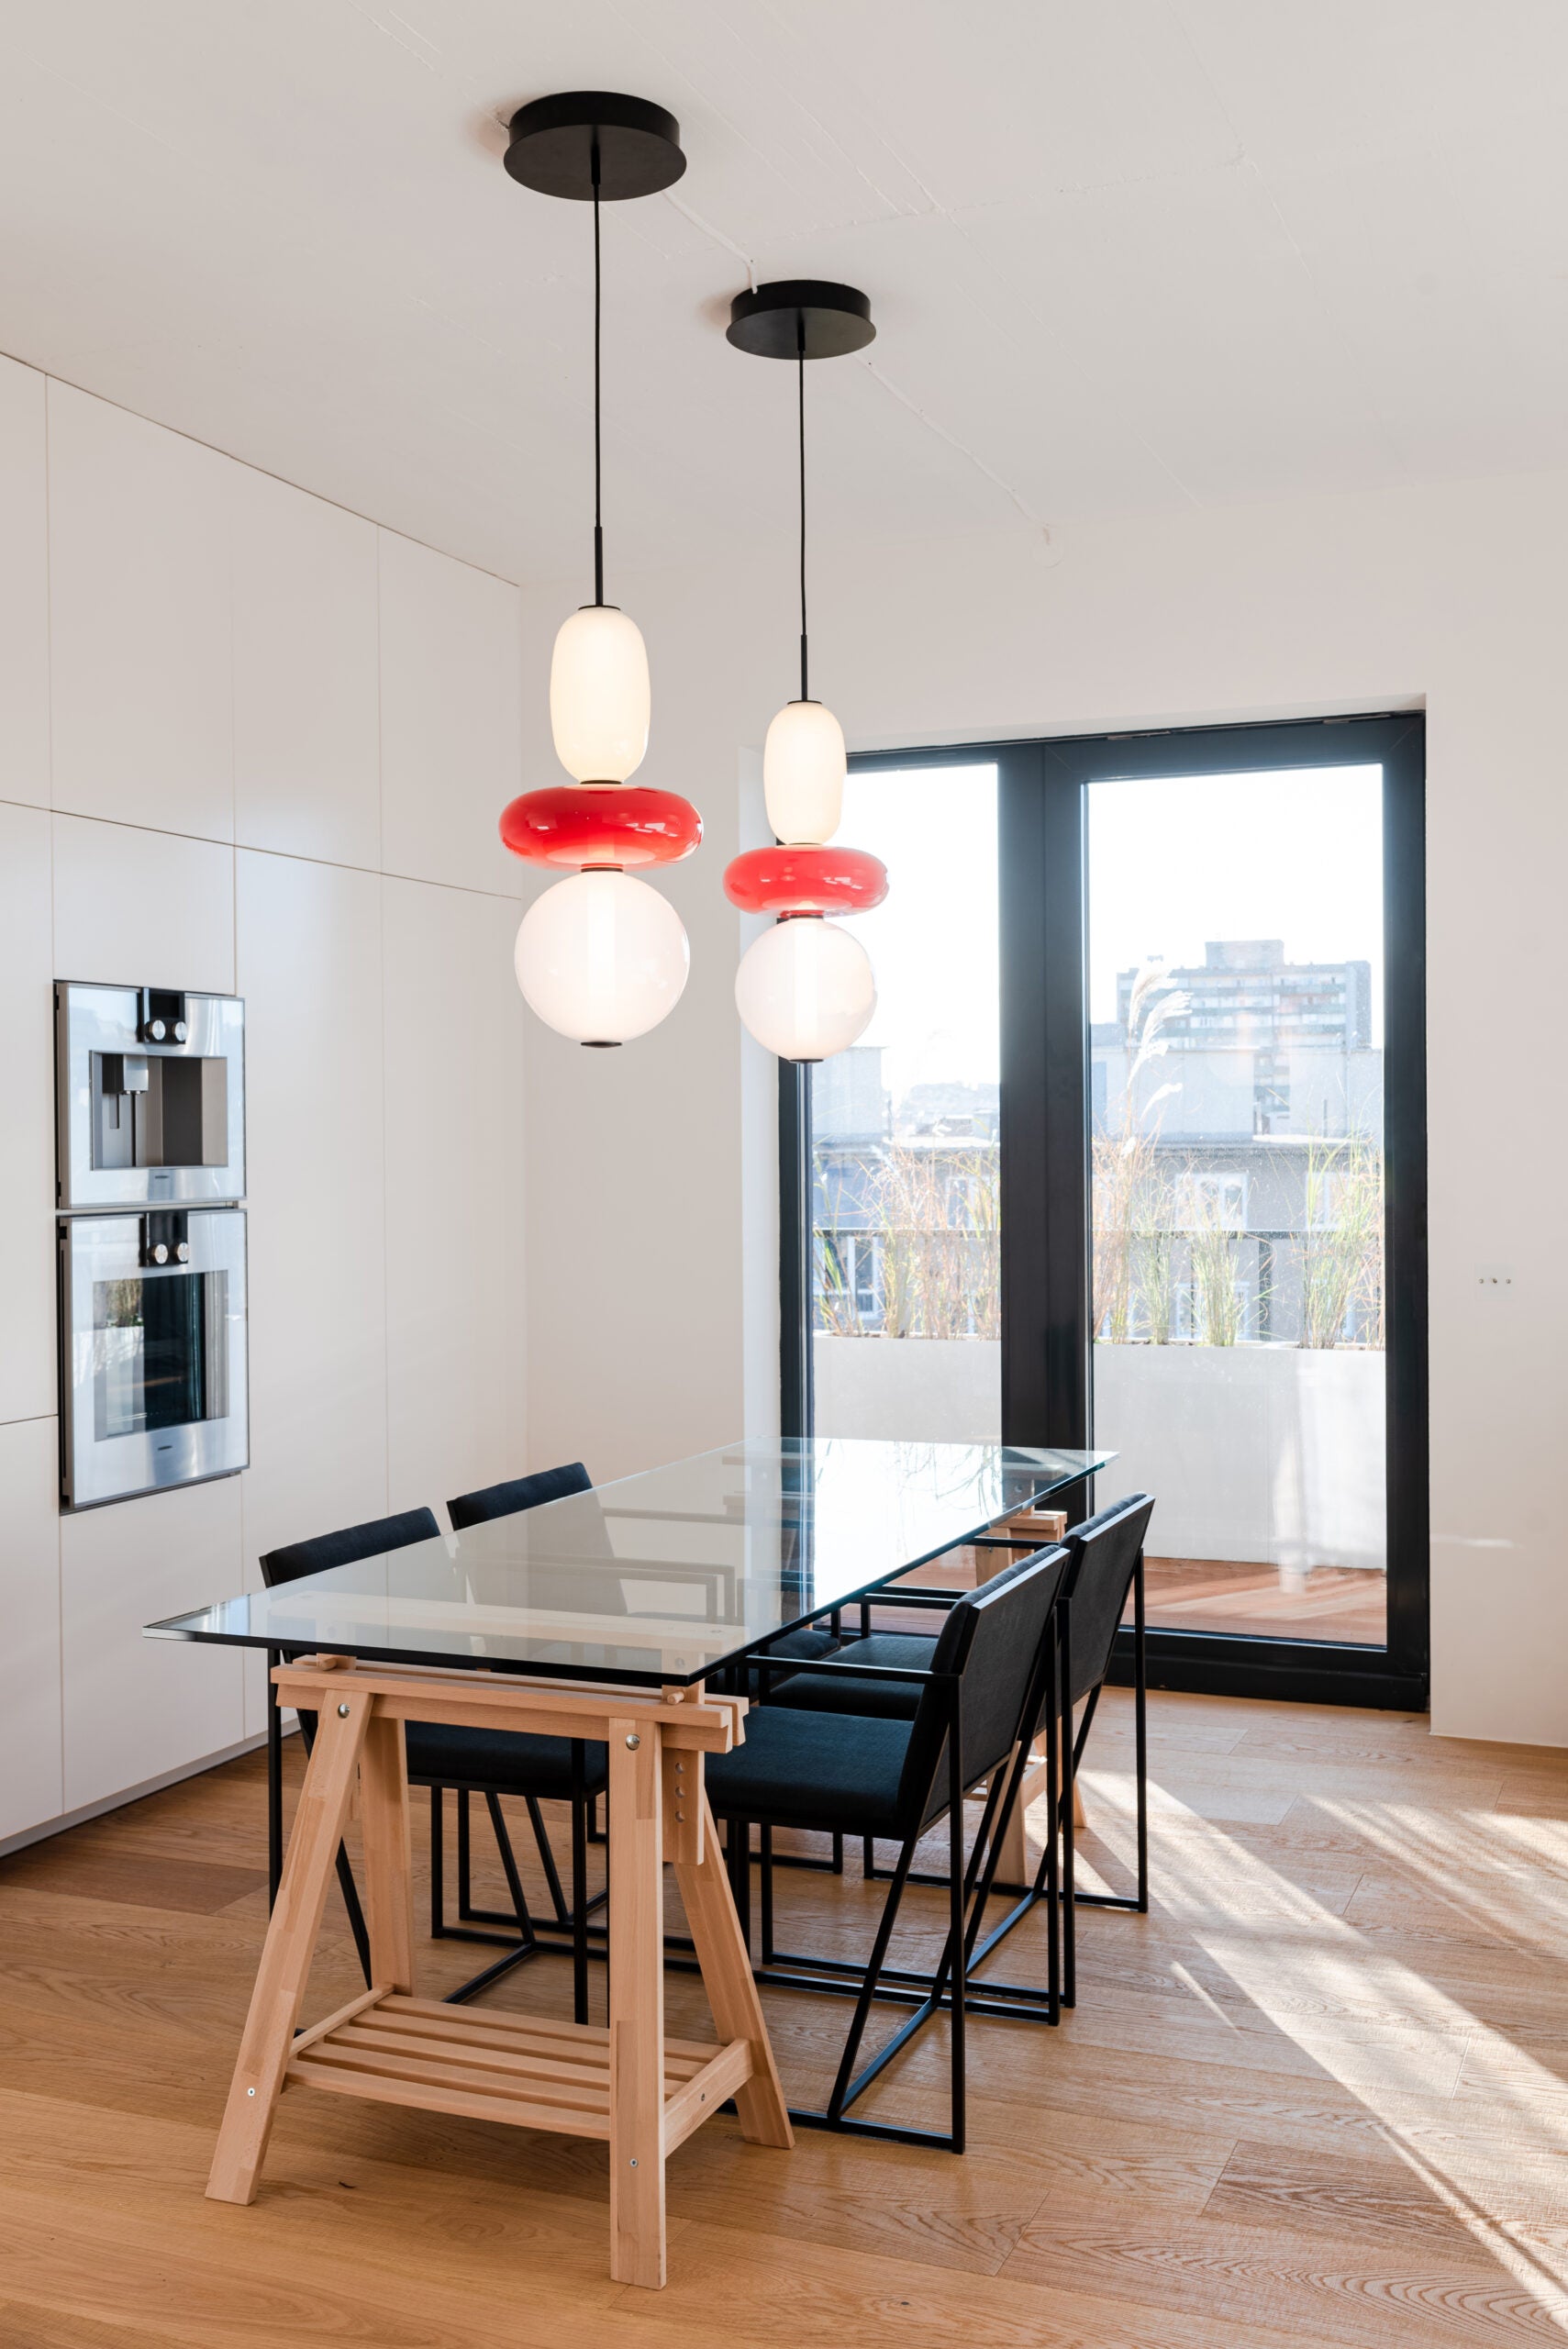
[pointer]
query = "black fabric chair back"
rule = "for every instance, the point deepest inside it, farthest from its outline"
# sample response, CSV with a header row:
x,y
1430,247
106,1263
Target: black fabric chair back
x,y
345,1547
518,1493
1104,1552
993,1639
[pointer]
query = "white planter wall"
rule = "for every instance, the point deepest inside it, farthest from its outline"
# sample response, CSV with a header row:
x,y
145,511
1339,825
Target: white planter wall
x,y
1272,1453
249,741
925,1390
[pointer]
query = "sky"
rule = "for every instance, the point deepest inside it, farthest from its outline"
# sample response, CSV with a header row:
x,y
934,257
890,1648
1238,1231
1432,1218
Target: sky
x,y
932,942
1171,864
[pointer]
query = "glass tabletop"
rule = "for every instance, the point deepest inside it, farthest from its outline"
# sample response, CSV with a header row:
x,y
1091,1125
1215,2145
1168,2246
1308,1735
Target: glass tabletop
x,y
661,1577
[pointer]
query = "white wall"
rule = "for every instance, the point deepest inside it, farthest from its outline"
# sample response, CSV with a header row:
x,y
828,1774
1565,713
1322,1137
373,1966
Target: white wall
x,y
249,742
656,1335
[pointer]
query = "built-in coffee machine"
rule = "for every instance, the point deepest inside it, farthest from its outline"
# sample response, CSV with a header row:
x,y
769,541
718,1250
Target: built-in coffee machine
x,y
150,1085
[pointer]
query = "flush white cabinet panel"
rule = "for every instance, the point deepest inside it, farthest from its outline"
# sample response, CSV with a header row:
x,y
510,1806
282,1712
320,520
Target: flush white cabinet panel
x,y
309,968
451,717
140,620
306,714
30,1785
136,1709
26,1125
24,588
138,908
454,1074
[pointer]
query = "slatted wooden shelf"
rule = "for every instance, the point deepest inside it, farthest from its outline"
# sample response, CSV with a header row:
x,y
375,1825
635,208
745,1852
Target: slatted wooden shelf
x,y
531,2071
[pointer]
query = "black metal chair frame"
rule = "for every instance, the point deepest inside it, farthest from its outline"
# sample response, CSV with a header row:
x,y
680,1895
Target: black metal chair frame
x,y
967,1885
1030,1895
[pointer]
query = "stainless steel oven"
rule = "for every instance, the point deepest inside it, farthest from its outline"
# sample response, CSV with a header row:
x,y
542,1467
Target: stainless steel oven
x,y
150,1092
151,1098
153,1359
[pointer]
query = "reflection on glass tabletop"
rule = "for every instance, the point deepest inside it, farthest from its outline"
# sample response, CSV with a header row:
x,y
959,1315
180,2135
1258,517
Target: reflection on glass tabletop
x,y
661,1577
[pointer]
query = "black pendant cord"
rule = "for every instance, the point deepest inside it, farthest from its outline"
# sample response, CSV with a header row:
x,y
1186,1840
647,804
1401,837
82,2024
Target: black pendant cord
x,y
598,483
800,372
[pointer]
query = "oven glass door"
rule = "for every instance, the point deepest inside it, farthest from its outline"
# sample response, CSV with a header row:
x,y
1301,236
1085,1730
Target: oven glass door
x,y
155,1383
159,1356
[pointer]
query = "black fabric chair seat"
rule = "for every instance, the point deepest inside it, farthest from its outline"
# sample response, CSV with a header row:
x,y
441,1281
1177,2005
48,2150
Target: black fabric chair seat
x,y
501,1761
796,1771
896,1700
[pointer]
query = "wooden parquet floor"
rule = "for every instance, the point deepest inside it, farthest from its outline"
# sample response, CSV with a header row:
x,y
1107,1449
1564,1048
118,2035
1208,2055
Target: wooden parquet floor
x,y
1320,2095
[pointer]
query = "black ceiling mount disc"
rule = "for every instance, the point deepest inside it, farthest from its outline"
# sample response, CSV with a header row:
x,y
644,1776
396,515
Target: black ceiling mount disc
x,y
771,321
553,141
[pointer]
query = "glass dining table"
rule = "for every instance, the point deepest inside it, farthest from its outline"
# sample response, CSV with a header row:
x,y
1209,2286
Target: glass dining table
x,y
601,1616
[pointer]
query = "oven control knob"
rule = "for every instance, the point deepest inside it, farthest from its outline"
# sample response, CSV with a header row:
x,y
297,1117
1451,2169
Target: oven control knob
x,y
159,1252
180,1031
157,1031
182,1252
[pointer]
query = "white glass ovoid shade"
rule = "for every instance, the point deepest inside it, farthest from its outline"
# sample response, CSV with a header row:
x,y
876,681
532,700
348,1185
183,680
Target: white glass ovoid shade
x,y
598,695
602,958
802,774
805,989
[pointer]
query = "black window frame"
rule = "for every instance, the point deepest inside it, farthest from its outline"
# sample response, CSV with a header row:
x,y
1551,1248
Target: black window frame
x,y
1047,1359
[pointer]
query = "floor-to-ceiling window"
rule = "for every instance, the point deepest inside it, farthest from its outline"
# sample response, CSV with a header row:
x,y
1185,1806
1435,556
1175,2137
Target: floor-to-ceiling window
x,y
1134,1148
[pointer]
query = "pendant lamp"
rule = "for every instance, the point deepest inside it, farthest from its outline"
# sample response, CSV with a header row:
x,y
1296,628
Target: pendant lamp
x,y
804,988
601,957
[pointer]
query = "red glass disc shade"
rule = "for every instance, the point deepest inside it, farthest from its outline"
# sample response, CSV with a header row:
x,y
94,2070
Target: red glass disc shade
x,y
578,824
806,881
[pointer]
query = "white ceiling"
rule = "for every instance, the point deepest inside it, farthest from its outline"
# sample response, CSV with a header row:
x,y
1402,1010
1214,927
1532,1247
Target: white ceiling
x,y
1122,253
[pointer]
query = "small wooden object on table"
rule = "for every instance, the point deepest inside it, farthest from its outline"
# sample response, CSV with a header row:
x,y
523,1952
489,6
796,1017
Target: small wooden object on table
x,y
628,2084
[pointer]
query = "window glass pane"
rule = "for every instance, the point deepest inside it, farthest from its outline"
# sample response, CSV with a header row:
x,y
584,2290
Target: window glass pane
x,y
1236,1009
906,1330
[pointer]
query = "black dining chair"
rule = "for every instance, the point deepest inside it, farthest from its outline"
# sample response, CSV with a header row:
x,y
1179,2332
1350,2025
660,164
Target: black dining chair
x,y
985,1680
553,1586
287,1564
1107,1565
484,1507
1107,1553
488,1763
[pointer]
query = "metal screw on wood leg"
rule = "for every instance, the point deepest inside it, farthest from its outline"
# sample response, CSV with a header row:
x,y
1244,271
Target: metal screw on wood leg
x,y
632,2163
250,2091
632,1741
342,1712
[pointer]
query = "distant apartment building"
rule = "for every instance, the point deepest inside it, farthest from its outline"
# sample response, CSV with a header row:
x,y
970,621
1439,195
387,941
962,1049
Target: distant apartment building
x,y
1248,1044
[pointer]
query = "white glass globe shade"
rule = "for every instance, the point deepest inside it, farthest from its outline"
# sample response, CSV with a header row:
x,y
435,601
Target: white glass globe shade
x,y
802,774
602,958
805,989
599,696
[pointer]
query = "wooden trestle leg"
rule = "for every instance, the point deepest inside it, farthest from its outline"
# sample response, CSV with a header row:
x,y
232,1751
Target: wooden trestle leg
x,y
731,1986
637,2004
268,2039
629,2083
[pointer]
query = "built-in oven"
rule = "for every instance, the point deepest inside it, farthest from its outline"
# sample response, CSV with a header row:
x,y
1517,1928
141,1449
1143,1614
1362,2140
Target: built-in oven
x,y
150,1094
153,1358
151,1098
